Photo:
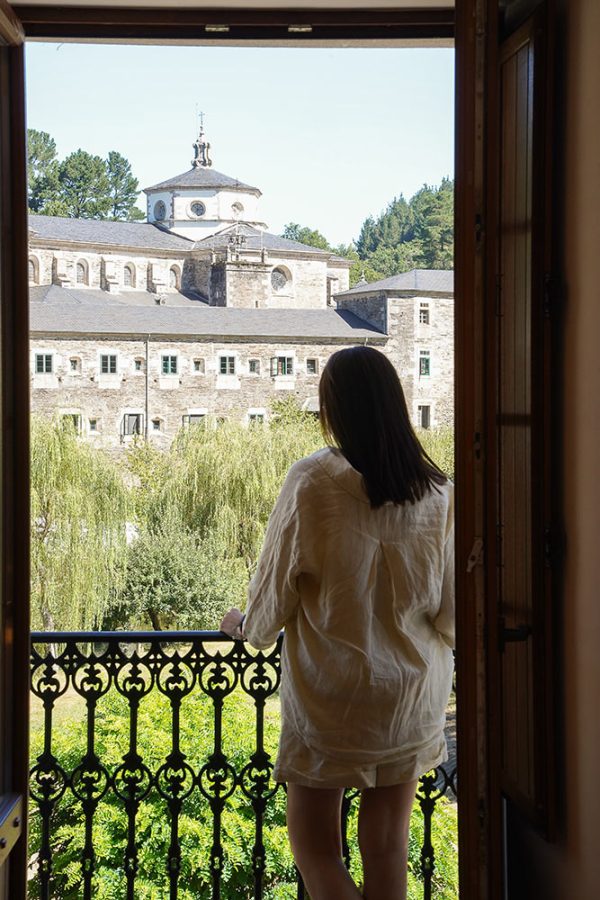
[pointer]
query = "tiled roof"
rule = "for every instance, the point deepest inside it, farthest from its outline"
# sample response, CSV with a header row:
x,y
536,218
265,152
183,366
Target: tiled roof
x,y
112,234
80,312
422,281
257,239
202,177
51,294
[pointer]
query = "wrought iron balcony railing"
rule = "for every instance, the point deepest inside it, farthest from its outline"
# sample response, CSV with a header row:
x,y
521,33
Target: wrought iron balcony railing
x,y
73,792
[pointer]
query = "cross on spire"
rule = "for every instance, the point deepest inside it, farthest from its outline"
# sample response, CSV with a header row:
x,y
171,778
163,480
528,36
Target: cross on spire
x,y
201,148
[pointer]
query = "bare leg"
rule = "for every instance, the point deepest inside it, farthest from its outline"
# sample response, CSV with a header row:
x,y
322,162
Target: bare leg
x,y
383,823
313,819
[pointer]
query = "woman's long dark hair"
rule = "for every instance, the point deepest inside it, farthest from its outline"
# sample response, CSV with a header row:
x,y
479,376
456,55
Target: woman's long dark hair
x,y
363,412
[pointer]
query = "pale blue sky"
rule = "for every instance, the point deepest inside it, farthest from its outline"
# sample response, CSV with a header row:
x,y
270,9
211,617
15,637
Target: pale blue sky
x,y
329,135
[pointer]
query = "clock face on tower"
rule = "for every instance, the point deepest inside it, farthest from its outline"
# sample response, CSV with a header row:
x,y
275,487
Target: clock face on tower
x,y
160,211
197,208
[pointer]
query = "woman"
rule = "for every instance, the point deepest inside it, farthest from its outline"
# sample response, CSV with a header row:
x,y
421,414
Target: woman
x,y
357,565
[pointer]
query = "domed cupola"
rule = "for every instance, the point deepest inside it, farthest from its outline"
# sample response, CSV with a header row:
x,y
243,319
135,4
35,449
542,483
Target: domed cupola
x,y
202,201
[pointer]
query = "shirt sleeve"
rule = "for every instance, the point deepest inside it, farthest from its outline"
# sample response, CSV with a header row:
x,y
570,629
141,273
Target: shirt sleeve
x,y
444,620
273,592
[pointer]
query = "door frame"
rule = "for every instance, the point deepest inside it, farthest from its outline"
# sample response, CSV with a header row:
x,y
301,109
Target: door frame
x,y
14,441
474,26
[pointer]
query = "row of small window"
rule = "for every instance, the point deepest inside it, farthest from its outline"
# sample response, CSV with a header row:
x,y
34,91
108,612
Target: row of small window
x,y
132,424
82,274
279,365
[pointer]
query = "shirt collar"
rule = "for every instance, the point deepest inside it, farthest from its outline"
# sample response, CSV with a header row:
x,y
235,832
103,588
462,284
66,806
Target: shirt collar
x,y
339,469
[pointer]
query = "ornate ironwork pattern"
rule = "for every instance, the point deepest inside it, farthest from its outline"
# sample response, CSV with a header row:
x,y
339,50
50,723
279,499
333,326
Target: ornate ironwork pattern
x,y
176,664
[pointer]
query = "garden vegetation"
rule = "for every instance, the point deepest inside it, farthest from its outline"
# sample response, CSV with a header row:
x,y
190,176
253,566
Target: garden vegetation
x,y
169,540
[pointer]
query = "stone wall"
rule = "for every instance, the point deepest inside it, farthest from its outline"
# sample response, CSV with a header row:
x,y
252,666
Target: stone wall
x,y
399,316
437,390
248,283
372,308
198,387
105,271
223,279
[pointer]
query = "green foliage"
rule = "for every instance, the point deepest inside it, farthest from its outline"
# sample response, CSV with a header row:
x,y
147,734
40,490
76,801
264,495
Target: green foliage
x,y
84,186
439,445
313,238
199,509
42,170
79,508
415,234
80,186
222,481
195,822
176,580
123,189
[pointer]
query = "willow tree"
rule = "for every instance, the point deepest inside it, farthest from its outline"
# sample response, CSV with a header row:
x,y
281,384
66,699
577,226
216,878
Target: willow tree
x,y
79,508
221,481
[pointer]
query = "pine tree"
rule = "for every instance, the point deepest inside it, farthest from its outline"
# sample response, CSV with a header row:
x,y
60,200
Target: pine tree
x,y
42,171
123,189
84,186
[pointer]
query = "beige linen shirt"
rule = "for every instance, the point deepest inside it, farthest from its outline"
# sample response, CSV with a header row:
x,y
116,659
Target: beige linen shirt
x,y
366,597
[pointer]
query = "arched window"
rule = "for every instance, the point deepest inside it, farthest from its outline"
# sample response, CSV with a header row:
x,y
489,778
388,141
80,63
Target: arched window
x,y
33,271
82,273
129,275
174,277
281,279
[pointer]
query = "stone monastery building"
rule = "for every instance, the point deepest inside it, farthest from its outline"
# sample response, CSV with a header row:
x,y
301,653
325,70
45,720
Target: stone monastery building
x,y
142,328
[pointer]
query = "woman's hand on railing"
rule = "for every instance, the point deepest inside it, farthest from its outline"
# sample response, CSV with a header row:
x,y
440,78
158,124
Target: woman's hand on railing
x,y
232,623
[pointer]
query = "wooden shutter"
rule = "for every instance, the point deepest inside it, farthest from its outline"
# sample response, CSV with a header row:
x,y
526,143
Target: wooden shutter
x,y
14,456
524,727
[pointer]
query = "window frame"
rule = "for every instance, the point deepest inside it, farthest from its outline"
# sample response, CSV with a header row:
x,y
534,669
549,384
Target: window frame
x,y
421,407
169,358
256,416
109,357
44,357
230,359
199,415
283,366
126,418
424,356
130,268
82,265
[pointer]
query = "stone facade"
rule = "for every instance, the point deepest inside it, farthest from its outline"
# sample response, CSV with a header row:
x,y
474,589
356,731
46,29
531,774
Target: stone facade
x,y
73,265
420,329
195,386
262,316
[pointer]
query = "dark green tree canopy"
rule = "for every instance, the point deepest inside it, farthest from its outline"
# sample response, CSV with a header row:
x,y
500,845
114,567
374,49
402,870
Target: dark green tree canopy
x,y
310,236
82,186
85,186
42,170
409,234
123,188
